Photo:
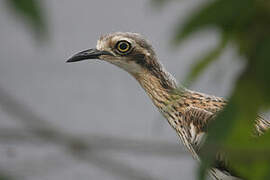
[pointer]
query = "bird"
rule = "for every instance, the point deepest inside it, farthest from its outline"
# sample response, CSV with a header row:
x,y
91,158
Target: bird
x,y
188,112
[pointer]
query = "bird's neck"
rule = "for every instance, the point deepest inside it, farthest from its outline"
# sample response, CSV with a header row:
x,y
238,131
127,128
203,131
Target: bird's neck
x,y
161,88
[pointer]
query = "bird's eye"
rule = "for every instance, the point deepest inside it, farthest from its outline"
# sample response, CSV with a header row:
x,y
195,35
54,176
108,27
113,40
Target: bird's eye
x,y
123,46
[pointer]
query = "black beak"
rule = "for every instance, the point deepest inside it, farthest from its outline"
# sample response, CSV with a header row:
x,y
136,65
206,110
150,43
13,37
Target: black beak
x,y
88,54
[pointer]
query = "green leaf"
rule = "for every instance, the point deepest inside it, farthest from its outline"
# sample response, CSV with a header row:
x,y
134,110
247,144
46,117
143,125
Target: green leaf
x,y
222,14
205,61
251,159
4,176
159,2
231,132
218,131
31,12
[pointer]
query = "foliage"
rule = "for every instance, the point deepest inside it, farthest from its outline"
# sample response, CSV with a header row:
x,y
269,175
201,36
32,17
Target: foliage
x,y
4,176
245,23
32,13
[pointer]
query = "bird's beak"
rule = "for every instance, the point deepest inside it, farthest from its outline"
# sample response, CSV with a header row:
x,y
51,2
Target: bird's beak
x,y
88,54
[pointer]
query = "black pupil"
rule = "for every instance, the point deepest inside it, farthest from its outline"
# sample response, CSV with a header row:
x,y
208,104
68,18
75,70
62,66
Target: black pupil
x,y
123,46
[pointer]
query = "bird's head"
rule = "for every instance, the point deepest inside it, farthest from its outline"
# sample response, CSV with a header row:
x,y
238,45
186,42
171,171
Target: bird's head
x,y
129,51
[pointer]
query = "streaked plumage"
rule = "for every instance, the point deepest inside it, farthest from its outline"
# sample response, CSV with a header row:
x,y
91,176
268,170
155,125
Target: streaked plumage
x,y
188,112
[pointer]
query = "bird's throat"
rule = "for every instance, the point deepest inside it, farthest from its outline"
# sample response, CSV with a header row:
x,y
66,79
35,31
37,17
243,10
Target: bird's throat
x,y
161,88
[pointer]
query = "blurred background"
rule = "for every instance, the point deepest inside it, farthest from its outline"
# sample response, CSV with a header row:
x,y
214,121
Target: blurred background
x,y
91,120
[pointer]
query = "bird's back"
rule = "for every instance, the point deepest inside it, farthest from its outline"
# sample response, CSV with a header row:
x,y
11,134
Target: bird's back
x,y
199,110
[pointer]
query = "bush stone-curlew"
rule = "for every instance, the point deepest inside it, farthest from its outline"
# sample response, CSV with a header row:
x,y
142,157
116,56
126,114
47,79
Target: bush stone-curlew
x,y
188,112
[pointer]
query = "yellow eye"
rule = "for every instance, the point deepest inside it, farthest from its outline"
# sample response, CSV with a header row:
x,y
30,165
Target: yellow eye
x,y
123,46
